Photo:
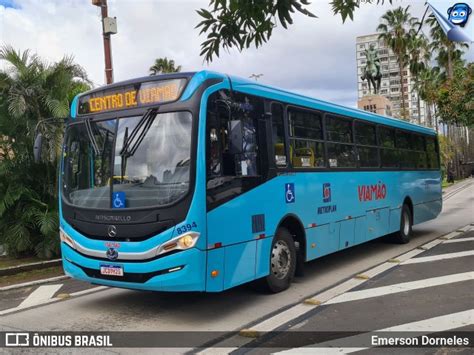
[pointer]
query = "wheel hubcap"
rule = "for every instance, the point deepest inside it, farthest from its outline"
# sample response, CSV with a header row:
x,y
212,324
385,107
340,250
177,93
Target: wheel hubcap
x,y
281,259
406,223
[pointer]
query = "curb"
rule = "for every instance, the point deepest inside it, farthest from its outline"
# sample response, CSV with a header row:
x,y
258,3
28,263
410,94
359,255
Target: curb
x,y
12,270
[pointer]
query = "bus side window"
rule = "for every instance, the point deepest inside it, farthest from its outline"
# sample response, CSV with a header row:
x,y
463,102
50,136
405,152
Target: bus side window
x,y
278,135
232,148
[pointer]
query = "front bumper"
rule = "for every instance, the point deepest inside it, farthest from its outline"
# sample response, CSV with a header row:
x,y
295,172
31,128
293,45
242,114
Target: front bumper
x,y
181,271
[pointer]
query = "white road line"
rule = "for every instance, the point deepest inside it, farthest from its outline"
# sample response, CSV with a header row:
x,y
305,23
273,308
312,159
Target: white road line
x,y
431,244
425,259
32,283
40,295
451,235
300,309
89,290
52,300
469,239
401,287
426,326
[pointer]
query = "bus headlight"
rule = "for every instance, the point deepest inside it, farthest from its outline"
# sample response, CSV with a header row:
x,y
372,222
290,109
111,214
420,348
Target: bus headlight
x,y
66,238
186,241
182,242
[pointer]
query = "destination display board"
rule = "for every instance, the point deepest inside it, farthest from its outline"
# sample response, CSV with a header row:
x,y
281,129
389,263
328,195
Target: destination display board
x,y
131,96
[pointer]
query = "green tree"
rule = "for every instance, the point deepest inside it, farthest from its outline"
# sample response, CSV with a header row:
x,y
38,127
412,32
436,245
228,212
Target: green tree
x,y
427,86
34,96
419,57
448,52
163,66
447,153
395,30
242,23
456,97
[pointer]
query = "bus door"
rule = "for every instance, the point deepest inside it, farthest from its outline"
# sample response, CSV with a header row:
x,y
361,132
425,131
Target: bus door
x,y
236,155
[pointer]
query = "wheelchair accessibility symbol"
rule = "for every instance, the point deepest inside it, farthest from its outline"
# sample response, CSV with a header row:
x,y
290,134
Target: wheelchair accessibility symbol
x,y
118,199
290,196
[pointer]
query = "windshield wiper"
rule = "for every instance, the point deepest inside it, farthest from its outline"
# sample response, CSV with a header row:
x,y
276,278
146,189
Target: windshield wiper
x,y
91,136
132,142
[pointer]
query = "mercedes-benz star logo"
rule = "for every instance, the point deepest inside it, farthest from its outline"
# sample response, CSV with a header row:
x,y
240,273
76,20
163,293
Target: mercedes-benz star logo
x,y
112,231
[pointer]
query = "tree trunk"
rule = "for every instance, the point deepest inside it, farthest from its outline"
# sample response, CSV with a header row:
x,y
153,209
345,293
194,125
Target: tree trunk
x,y
428,113
418,104
450,65
400,65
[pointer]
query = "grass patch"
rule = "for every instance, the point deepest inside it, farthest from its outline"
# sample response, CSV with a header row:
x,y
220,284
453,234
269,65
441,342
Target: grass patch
x,y
32,275
7,261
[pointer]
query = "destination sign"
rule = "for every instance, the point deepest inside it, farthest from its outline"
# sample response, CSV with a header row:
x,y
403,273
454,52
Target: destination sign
x,y
131,96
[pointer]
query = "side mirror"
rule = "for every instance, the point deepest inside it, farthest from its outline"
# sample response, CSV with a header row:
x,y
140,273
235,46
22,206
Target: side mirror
x,y
37,148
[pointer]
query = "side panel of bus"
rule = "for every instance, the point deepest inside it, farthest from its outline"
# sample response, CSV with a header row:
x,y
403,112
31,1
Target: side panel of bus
x,y
344,221
334,209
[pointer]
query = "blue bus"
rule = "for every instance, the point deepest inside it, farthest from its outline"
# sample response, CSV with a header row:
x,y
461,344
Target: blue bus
x,y
203,181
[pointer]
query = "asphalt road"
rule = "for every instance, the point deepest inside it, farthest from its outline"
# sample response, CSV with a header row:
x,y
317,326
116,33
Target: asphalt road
x,y
242,307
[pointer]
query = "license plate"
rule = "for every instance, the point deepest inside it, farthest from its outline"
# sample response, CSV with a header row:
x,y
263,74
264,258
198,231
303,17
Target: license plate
x,y
112,270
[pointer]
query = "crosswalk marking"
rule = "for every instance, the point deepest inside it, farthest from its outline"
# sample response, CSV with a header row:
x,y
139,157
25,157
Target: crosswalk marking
x,y
40,295
425,259
425,326
401,287
469,239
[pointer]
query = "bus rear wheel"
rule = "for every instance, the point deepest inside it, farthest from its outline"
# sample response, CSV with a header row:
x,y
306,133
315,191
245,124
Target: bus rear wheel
x,y
282,261
406,223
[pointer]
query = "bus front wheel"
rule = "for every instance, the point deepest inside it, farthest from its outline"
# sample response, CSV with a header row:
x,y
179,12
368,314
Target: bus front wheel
x,y
282,261
406,223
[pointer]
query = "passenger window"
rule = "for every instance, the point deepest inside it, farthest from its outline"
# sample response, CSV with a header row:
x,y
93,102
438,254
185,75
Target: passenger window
x,y
386,137
408,159
278,135
341,155
432,153
418,144
338,129
307,153
305,124
403,140
368,157
389,156
307,146
366,139
365,134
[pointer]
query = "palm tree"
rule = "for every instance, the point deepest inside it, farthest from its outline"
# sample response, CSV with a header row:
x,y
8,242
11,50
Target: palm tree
x,y
163,66
30,92
448,51
419,57
394,31
428,84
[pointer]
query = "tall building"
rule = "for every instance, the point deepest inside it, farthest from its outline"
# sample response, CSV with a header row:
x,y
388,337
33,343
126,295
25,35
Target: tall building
x,y
391,86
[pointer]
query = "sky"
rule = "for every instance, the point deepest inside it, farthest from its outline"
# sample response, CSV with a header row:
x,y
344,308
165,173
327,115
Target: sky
x,y
315,57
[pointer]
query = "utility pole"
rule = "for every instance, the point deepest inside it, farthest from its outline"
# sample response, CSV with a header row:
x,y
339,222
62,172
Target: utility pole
x,y
109,27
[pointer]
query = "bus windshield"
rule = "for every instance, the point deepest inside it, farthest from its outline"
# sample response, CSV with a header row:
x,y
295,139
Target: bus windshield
x,y
130,162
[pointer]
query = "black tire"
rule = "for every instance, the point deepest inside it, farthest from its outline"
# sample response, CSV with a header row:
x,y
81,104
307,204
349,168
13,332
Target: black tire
x,y
282,262
406,223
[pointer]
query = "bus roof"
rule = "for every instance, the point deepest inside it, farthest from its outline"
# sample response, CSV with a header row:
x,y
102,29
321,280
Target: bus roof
x,y
256,88
250,86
